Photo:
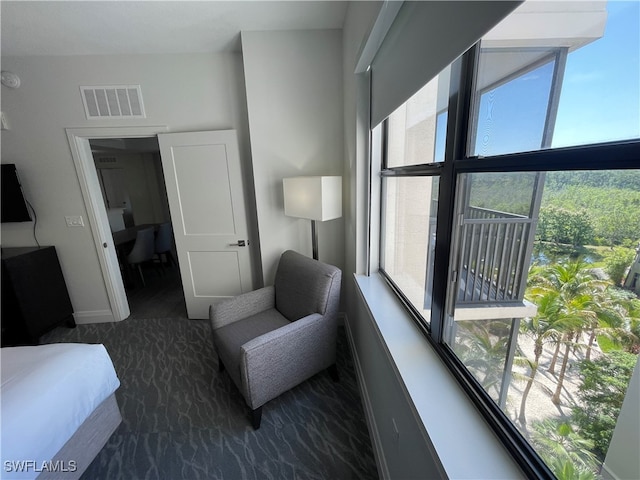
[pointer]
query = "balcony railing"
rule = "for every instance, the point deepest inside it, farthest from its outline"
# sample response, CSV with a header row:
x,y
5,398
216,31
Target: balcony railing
x,y
494,256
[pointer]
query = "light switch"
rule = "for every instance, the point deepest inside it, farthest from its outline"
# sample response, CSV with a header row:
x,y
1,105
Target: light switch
x,y
74,221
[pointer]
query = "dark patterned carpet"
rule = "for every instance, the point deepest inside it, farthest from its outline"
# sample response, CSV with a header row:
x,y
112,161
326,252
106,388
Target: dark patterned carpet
x,y
182,419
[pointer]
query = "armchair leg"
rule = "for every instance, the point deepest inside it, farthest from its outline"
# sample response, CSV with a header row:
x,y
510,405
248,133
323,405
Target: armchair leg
x,y
256,417
333,373
220,365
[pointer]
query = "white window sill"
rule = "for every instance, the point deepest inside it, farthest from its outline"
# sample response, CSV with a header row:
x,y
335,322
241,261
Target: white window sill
x,y
466,446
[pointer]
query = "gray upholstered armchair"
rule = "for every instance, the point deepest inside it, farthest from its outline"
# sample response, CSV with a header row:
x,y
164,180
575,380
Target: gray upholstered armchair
x,y
274,338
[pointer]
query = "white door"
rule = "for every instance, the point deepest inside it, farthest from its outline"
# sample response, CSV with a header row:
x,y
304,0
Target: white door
x,y
206,200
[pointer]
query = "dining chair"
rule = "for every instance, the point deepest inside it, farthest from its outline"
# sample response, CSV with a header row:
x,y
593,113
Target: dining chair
x,y
143,250
164,243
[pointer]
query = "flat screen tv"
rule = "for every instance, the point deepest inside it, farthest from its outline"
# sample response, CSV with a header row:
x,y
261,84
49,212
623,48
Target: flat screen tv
x,y
13,207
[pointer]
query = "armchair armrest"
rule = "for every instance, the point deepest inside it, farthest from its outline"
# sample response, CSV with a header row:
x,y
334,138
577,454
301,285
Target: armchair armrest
x,y
241,306
278,360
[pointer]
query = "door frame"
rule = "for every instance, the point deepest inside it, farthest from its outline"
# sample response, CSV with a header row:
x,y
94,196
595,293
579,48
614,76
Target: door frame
x,y
78,139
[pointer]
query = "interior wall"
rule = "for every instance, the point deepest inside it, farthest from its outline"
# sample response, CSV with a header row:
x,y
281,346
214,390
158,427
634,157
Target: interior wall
x,y
294,100
388,409
189,92
359,21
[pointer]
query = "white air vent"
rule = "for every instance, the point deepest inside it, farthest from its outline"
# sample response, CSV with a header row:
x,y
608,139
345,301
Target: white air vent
x,y
113,101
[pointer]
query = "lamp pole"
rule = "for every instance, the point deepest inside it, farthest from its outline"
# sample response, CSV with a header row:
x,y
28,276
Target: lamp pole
x,y
314,239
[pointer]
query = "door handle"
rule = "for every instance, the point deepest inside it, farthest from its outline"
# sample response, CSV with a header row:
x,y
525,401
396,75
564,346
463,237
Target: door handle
x,y
241,243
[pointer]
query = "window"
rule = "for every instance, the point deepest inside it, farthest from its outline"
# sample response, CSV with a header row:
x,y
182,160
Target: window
x,y
510,220
539,309
415,135
416,130
556,77
512,108
410,235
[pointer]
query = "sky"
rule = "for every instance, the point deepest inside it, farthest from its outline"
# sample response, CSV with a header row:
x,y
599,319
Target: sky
x,y
600,98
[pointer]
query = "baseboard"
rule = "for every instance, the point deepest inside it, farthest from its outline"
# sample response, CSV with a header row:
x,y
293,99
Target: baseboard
x,y
381,462
94,316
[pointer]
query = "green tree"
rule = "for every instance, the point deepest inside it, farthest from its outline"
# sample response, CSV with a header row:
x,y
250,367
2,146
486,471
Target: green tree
x,y
541,328
562,225
621,179
555,439
488,190
566,470
604,386
617,311
577,309
617,262
632,304
614,211
482,347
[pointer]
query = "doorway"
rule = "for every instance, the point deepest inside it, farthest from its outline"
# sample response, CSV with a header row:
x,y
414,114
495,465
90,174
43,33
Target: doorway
x,y
131,179
206,196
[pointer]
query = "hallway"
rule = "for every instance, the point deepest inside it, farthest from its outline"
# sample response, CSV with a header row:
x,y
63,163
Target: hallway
x,y
161,297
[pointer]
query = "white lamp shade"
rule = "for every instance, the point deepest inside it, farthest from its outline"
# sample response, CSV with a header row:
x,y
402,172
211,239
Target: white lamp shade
x,y
315,198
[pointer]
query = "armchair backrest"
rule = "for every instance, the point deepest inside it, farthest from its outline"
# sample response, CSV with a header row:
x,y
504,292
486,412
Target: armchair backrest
x,y
304,286
163,238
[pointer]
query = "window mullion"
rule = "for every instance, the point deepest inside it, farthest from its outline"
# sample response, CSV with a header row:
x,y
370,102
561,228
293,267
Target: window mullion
x,y
613,156
430,169
457,133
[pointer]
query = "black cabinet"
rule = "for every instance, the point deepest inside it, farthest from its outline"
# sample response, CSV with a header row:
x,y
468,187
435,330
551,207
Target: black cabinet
x,y
34,295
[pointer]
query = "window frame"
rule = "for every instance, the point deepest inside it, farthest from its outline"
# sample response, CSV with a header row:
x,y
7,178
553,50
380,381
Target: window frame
x,y
620,155
557,56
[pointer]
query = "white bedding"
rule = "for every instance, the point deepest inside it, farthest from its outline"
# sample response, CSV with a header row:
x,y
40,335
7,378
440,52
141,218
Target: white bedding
x,y
47,392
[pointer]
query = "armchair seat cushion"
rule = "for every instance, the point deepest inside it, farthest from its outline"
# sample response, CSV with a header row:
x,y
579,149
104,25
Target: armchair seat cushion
x,y
230,338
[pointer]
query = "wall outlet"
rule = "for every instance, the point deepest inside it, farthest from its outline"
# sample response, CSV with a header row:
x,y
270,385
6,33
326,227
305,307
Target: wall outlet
x,y
74,221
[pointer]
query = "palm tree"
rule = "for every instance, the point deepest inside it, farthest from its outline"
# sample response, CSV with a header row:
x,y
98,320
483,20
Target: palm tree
x,y
572,321
607,321
482,348
576,288
556,439
554,358
541,327
565,470
618,315
570,301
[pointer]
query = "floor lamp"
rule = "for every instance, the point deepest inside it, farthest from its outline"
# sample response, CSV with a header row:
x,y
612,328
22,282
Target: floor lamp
x,y
315,198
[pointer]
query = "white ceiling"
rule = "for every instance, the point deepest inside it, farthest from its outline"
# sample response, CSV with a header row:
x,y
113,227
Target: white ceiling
x,y
147,27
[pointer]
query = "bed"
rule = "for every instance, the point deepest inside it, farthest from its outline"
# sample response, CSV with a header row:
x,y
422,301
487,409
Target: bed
x,y
58,409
